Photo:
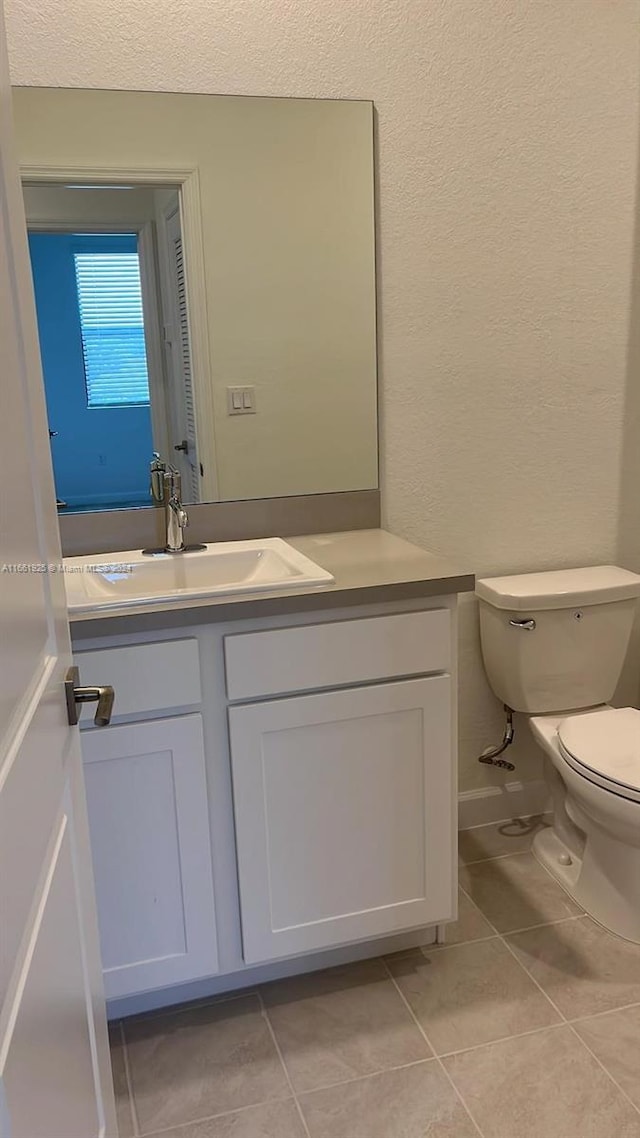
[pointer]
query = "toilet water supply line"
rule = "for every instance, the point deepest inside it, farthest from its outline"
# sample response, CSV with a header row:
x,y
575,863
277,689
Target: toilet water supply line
x,y
490,755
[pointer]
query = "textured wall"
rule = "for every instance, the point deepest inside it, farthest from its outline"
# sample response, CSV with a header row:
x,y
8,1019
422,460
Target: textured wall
x,y
507,166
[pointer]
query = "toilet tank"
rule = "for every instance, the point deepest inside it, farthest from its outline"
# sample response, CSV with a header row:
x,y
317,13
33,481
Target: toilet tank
x,y
556,641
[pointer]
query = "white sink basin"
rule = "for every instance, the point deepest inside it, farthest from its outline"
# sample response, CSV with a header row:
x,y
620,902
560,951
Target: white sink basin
x,y
115,580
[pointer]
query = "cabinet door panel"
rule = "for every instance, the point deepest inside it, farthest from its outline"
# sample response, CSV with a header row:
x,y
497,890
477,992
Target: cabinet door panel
x,y
344,812
148,817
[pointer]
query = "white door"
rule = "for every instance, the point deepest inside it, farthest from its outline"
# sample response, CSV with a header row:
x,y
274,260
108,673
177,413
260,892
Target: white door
x,y
183,446
149,822
344,815
55,1077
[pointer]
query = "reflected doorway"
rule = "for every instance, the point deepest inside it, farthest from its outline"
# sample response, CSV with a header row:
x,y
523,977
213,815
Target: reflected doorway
x,y
110,289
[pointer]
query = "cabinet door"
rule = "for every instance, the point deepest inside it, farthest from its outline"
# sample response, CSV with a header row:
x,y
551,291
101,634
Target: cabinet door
x,y
345,812
149,824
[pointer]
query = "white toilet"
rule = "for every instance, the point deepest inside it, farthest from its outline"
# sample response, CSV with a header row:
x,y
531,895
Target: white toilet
x,y
553,647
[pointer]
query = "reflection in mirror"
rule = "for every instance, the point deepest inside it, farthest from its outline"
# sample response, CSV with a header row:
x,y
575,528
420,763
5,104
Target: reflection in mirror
x,y
204,274
109,284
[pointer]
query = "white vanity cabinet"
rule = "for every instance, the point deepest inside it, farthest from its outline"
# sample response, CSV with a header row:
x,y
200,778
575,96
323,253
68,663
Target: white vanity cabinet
x,y
149,822
269,789
342,798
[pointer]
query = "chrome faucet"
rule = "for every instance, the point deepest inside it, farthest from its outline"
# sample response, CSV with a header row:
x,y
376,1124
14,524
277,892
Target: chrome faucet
x,y
166,489
177,517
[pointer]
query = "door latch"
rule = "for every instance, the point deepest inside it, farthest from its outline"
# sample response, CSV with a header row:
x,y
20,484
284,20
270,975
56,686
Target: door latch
x,y
103,696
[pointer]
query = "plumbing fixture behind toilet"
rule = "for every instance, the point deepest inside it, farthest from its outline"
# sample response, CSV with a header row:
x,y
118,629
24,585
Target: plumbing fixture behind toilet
x,y
554,646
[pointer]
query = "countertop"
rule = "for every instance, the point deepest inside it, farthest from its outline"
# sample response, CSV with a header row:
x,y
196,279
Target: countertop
x,y
369,566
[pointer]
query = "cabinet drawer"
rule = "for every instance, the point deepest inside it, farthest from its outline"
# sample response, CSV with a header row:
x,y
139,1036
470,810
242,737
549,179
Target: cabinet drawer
x,y
146,677
337,654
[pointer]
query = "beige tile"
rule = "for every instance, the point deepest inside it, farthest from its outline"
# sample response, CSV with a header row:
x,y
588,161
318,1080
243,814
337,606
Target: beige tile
x,y
470,994
191,1065
583,968
409,1103
516,892
341,1023
513,836
272,1120
121,1089
615,1039
470,925
544,1085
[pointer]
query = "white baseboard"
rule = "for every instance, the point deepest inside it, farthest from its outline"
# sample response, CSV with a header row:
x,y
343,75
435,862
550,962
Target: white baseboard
x,y
498,803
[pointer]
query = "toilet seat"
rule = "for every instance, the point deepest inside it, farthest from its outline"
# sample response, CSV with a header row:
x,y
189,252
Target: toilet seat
x,y
604,747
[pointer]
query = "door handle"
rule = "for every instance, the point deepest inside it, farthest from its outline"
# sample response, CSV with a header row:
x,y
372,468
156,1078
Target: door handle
x,y
103,696
183,446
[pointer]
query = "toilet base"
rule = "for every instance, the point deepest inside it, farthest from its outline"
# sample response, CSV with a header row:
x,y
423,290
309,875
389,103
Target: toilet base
x,y
604,881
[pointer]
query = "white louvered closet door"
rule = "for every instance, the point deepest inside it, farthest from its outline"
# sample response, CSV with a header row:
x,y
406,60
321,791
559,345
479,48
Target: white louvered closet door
x,y
180,357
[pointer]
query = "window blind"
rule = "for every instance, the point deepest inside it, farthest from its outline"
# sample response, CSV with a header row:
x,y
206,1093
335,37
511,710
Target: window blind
x,y
112,325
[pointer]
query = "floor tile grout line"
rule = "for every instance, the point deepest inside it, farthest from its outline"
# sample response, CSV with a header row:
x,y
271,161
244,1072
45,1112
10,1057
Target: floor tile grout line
x,y
523,928
490,936
527,973
607,1012
169,1130
502,1039
543,925
127,1070
439,947
539,1031
283,1064
437,1058
568,1023
342,1082
602,1066
256,992
366,1075
209,1117
565,1021
502,937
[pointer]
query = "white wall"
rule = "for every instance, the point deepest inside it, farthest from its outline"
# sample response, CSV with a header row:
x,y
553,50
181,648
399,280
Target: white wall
x,y
507,168
46,204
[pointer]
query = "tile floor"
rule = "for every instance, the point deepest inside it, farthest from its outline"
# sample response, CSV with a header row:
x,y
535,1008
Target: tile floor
x,y
527,1022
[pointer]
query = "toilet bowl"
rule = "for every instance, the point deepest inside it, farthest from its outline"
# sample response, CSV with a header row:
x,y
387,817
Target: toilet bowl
x,y
554,645
593,846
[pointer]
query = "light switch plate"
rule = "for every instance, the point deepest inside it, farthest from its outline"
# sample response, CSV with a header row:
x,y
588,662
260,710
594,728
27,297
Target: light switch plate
x,y
241,400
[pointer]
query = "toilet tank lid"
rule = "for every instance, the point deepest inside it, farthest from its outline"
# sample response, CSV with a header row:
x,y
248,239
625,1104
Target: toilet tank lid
x,y
561,588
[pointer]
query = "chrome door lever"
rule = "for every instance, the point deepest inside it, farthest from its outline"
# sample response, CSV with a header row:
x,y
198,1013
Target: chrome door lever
x,y
103,696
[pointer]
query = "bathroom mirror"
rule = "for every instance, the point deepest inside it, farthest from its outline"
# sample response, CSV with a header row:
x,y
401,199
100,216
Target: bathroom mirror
x,y
204,274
